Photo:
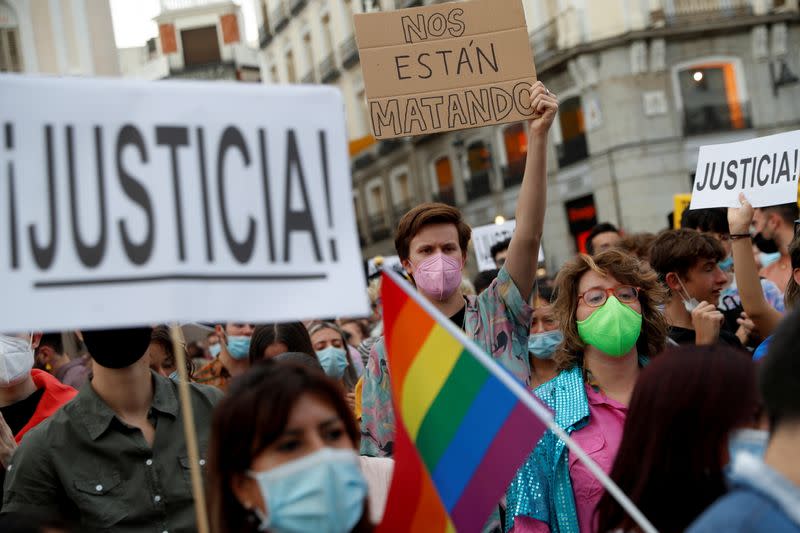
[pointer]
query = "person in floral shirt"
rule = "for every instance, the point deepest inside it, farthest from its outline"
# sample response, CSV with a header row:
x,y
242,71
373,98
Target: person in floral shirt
x,y
432,241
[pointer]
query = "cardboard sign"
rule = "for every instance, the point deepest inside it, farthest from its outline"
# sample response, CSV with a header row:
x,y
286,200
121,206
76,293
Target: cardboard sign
x,y
681,203
446,67
484,237
765,169
130,203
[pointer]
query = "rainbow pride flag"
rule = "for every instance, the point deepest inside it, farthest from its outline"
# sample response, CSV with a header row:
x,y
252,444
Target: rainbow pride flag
x,y
464,424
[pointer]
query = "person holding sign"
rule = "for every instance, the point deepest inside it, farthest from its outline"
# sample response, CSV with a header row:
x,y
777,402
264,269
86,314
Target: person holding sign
x,y
115,457
607,306
774,226
431,241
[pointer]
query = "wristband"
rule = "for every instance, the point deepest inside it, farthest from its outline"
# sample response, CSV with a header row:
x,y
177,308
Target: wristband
x,y
735,236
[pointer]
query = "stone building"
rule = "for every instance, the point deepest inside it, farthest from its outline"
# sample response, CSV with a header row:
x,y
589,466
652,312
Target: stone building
x,y
642,83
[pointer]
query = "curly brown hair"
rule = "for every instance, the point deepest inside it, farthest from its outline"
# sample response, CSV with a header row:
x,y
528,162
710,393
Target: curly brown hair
x,y
626,269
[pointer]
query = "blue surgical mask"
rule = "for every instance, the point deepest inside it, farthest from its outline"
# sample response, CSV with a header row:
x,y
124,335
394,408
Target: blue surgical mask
x,y
214,349
333,361
543,345
752,441
768,259
238,346
321,492
726,265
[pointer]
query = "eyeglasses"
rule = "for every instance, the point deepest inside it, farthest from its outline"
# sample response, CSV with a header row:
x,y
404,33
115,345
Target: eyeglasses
x,y
597,296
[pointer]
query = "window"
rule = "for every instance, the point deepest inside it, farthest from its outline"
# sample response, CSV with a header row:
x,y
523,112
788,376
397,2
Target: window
x,y
200,46
273,72
516,144
327,33
376,207
290,73
401,191
9,51
309,52
479,163
264,14
444,181
573,146
711,99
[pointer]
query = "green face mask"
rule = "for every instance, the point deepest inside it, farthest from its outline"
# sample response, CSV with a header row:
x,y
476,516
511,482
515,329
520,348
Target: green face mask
x,y
613,328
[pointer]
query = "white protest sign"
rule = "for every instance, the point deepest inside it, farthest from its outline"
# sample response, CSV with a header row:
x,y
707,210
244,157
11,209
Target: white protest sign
x,y
764,169
129,203
484,237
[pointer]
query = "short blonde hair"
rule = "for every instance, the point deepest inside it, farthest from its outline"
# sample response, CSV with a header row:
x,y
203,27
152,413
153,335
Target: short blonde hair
x,y
626,269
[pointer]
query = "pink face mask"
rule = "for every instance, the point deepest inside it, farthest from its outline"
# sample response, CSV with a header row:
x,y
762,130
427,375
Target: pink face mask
x,y
438,276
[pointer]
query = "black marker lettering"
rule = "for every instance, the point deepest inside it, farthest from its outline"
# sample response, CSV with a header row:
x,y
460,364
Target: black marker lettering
x,y
137,253
241,250
730,183
301,220
419,59
43,255
175,137
90,255
492,63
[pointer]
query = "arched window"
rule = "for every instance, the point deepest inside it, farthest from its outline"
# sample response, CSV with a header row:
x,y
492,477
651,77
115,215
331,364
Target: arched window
x,y
573,147
479,164
444,181
713,98
10,55
515,141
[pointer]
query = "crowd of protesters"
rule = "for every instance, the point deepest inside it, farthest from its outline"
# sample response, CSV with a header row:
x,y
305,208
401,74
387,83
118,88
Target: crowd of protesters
x,y
668,358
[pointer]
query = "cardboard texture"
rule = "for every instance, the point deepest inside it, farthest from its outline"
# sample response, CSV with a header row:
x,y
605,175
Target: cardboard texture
x,y
445,67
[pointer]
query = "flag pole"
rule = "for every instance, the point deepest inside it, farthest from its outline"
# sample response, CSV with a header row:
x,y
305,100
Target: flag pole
x,y
527,398
189,430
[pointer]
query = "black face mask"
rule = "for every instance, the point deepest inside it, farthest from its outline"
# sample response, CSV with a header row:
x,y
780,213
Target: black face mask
x,y
117,348
767,246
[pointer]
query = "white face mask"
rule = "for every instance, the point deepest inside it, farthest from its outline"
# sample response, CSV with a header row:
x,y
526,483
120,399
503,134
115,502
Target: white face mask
x,y
16,359
689,302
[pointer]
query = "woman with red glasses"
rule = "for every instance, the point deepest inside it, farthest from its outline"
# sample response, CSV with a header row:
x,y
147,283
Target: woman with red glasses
x,y
608,310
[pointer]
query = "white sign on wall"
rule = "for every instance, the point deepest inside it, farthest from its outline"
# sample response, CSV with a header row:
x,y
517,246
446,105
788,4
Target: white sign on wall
x,y
484,237
764,169
128,203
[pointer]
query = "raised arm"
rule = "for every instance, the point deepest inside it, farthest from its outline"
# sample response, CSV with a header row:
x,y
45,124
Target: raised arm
x,y
763,315
523,252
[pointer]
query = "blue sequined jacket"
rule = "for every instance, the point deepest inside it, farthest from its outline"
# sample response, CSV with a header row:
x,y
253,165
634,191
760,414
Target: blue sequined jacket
x,y
542,488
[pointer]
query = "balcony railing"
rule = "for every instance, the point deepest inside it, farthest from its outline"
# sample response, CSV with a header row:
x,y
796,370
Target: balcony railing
x,y
716,118
478,185
280,18
445,196
544,41
296,6
349,52
402,207
264,36
378,227
572,151
210,71
513,173
328,71
309,78
682,11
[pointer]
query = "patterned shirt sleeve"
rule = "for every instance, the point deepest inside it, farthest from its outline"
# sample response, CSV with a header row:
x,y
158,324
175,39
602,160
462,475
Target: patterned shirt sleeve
x,y
773,295
377,415
505,319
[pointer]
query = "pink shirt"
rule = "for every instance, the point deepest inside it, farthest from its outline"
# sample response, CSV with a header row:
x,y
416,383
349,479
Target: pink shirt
x,y
600,439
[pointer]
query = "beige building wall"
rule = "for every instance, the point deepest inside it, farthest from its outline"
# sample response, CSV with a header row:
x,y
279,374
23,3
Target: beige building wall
x,y
65,37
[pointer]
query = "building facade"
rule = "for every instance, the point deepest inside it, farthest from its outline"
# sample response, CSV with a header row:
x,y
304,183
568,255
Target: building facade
x,y
62,37
642,84
197,39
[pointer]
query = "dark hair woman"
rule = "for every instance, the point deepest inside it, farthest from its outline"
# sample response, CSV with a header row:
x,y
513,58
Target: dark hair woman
x,y
270,340
282,455
686,407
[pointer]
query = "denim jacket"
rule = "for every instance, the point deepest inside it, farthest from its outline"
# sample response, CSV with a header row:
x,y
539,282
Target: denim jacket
x,y
762,501
542,488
